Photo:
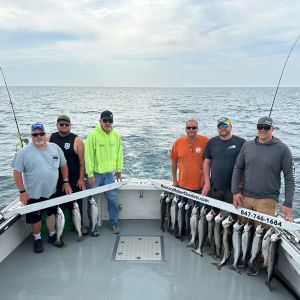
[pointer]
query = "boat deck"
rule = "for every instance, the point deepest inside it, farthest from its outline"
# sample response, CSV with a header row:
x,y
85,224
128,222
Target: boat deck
x,y
86,270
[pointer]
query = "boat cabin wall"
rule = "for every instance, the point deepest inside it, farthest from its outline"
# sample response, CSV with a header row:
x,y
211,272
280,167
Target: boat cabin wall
x,y
133,204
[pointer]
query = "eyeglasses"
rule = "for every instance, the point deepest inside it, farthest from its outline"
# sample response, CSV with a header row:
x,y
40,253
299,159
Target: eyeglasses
x,y
263,127
222,125
38,134
107,120
191,127
64,124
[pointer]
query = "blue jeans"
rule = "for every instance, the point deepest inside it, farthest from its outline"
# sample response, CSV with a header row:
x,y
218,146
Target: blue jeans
x,y
111,196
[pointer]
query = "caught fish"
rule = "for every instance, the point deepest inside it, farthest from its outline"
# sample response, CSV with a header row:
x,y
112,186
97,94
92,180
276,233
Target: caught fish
x,y
168,212
175,225
210,229
272,257
226,240
163,210
256,243
237,244
193,226
265,246
246,243
173,213
202,230
180,220
94,216
60,224
77,220
218,234
188,213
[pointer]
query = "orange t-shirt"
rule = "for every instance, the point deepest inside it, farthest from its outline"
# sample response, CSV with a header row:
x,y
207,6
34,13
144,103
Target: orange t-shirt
x,y
189,161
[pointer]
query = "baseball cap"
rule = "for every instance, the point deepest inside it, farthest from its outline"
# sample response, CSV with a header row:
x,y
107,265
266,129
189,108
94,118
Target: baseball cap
x,y
37,126
224,120
265,121
64,118
106,114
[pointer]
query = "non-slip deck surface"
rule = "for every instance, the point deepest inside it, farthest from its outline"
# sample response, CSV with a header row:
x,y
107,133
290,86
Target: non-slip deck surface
x,y
86,270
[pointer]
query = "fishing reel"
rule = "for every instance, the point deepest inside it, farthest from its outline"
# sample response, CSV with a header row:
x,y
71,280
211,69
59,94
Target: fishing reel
x,y
24,143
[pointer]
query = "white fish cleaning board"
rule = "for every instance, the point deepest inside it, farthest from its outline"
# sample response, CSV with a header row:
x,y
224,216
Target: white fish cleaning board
x,y
139,248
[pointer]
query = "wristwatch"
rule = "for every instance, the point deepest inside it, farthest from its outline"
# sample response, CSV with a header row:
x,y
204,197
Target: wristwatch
x,y
23,191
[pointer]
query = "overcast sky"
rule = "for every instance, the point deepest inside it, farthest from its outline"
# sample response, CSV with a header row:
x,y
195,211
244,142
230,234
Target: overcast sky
x,y
172,43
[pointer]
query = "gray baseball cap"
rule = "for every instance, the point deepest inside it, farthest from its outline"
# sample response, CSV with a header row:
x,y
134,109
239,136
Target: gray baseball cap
x,y
265,121
64,118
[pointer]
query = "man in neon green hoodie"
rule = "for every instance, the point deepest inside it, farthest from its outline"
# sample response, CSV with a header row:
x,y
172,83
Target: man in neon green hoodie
x,y
104,162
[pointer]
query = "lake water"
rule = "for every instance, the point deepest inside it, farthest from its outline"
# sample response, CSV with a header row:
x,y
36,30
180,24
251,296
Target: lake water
x,y
148,119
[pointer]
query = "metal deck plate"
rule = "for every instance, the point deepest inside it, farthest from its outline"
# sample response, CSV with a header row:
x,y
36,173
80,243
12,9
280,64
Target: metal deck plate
x,y
139,248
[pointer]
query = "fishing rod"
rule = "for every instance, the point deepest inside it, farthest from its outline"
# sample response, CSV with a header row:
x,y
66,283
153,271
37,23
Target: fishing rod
x,y
282,74
19,133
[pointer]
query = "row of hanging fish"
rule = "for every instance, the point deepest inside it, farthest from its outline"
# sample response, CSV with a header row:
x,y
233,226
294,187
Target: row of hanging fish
x,y
226,236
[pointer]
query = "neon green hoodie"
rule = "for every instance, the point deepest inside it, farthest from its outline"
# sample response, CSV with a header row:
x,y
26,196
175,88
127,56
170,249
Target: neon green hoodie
x,y
103,152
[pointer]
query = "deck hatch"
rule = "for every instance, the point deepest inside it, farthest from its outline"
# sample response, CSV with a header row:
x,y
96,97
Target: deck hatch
x,y
139,248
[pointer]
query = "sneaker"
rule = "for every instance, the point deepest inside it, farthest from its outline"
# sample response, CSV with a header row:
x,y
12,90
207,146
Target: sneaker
x,y
252,270
95,232
52,239
116,230
38,246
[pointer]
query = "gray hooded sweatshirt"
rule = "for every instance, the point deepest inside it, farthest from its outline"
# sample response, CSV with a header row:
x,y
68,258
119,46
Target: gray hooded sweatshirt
x,y
260,166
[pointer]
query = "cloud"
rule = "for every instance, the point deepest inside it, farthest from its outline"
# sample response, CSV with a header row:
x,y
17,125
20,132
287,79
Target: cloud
x,y
188,34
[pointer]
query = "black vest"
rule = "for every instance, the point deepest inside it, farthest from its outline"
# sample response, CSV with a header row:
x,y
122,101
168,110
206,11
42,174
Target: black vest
x,y
66,143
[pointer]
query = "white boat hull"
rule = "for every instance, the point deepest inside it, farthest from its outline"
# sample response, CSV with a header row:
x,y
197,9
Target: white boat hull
x,y
139,199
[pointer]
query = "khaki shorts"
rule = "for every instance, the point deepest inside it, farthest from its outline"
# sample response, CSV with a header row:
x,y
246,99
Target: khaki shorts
x,y
265,206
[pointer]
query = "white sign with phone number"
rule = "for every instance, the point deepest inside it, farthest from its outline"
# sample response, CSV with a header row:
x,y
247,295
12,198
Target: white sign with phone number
x,y
273,221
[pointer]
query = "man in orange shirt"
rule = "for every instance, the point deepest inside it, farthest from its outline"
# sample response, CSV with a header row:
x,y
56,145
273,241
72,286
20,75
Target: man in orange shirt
x,y
187,158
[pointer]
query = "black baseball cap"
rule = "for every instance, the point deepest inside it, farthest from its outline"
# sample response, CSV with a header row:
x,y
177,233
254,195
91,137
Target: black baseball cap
x,y
106,114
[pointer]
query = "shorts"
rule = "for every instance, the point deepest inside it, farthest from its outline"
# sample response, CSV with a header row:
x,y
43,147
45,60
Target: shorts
x,y
59,193
36,216
265,206
225,196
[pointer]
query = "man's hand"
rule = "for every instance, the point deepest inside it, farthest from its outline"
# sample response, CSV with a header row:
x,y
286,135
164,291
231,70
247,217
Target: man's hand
x,y
175,182
206,189
287,212
237,198
92,180
67,188
24,198
81,184
118,176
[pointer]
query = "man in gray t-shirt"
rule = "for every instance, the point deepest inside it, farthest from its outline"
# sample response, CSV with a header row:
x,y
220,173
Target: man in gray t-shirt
x,y
36,174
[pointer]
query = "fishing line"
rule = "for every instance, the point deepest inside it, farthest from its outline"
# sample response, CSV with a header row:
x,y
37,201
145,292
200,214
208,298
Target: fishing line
x,y
282,74
19,133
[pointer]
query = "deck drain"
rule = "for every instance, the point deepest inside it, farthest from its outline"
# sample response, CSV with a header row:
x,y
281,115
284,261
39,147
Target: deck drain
x,y
139,248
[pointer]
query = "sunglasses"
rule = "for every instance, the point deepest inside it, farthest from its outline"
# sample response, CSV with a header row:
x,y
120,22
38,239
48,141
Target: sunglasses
x,y
191,127
263,127
107,120
223,125
64,124
38,134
